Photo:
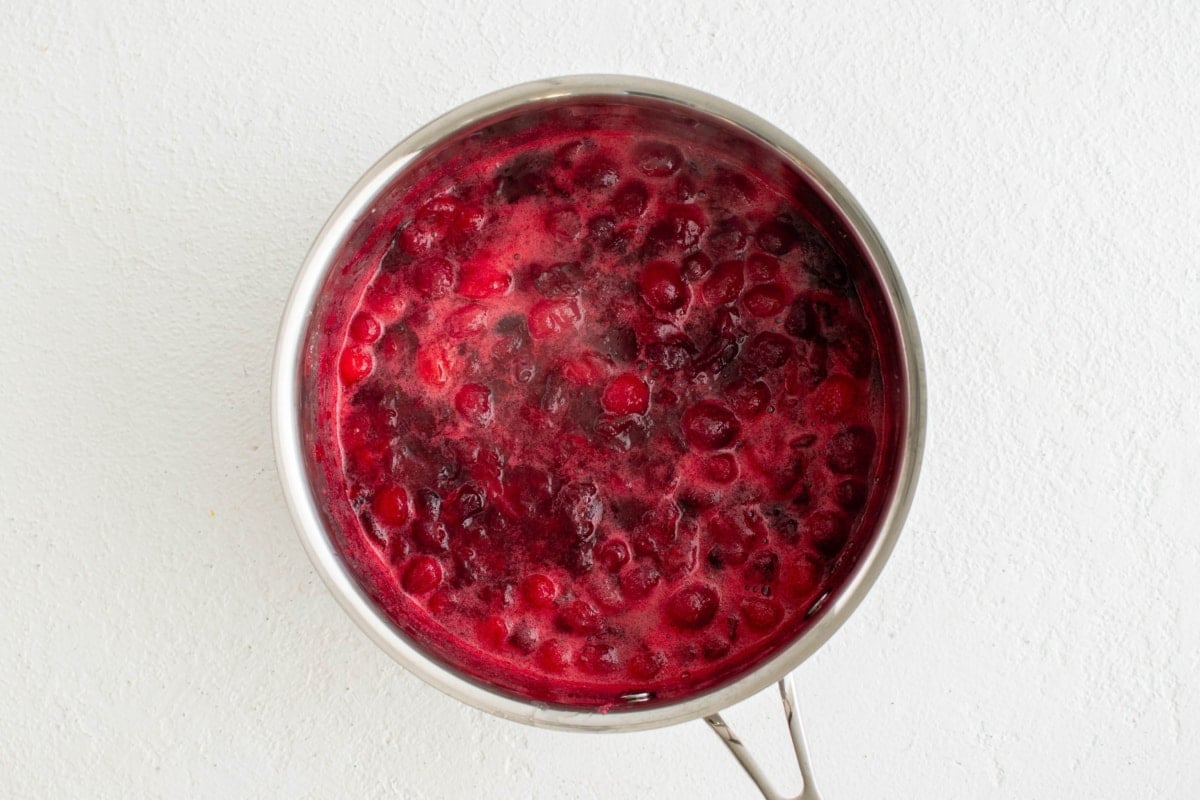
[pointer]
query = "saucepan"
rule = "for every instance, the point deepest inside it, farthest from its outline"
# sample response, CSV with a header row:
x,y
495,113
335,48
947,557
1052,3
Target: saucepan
x,y
844,223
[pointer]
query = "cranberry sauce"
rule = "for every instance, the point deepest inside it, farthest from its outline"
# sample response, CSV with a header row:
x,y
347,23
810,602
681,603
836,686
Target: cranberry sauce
x,y
604,416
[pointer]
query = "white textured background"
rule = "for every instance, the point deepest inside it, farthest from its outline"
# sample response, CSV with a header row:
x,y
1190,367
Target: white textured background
x,y
1036,173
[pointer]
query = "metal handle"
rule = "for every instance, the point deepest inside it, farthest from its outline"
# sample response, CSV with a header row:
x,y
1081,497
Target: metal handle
x,y
788,693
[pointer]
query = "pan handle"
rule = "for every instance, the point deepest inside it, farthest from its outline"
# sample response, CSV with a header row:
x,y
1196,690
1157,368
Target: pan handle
x,y
788,693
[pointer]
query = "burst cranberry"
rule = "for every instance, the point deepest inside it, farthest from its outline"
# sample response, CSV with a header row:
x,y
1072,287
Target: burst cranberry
x,y
767,351
433,277
597,172
433,366
598,658
553,317
580,616
474,403
365,328
679,228
748,398
826,530
835,398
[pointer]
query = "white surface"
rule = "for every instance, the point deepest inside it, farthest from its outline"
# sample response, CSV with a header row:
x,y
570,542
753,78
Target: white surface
x,y
1036,173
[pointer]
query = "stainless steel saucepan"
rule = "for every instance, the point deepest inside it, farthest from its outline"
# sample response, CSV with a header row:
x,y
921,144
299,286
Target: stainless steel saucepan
x,y
294,380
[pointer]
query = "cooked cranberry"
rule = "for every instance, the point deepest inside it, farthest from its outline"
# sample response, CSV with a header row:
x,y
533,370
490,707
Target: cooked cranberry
x,y
850,450
390,505
776,237
663,287
613,554
630,200
693,606
657,159
422,575
365,328
765,300
710,426
355,364
474,403
725,283
539,591
761,613
627,394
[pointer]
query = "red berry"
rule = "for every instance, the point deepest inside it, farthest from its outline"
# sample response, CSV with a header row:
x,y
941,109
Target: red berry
x,y
826,531
613,554
356,363
679,228
422,575
580,616
433,365
630,200
564,223
657,159
551,317
597,172
639,581
474,403
696,266
724,284
721,468
627,394
493,630
836,397
776,237
761,268
647,664
710,426
850,450
761,613
539,591
365,328
765,300
598,658
663,288
728,238
553,656
389,505
432,277
767,351
748,398
480,280
693,606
